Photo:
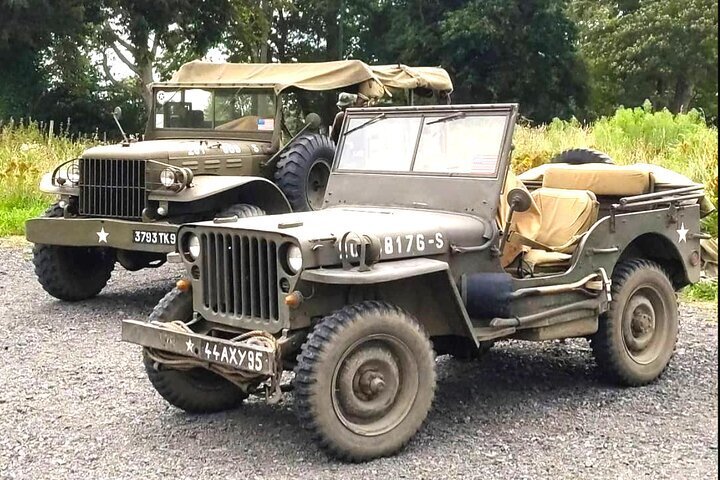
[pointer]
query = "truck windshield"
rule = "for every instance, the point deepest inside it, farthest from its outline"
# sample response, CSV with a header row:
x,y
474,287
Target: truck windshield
x,y
217,109
430,144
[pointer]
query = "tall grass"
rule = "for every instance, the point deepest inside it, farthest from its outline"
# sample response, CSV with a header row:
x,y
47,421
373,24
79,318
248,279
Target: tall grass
x,y
683,143
26,153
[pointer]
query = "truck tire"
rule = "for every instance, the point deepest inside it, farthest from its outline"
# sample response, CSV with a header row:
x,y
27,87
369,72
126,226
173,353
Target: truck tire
x,y
241,210
197,390
72,273
636,337
581,156
303,171
364,381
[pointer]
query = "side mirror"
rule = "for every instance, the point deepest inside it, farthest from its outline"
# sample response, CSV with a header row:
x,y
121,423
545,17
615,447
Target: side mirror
x,y
519,200
117,113
313,121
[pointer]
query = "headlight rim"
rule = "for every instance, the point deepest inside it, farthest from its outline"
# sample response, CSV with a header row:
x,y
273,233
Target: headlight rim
x,y
170,171
289,266
189,250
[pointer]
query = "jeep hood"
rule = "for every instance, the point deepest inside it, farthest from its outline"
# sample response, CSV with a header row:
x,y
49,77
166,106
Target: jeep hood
x,y
402,232
178,149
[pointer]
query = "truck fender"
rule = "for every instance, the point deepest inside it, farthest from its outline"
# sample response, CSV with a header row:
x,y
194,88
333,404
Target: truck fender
x,y
425,288
47,186
252,190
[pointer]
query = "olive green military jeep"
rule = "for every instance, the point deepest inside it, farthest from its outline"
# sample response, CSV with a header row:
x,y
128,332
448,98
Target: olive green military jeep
x,y
426,244
220,144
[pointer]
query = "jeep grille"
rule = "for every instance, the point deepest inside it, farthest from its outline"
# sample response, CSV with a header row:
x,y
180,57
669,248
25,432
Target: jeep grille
x,y
239,276
112,188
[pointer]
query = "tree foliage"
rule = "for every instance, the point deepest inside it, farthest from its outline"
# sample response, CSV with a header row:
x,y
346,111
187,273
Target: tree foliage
x,y
662,50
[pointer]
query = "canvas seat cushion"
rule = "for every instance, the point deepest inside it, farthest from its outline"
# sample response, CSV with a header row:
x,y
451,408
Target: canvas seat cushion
x,y
565,216
599,178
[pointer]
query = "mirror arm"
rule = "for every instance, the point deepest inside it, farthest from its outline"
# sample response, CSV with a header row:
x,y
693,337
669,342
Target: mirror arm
x,y
506,231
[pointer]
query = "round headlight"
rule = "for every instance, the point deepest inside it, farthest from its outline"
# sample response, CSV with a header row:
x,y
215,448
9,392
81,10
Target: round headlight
x,y
167,177
192,246
73,173
294,258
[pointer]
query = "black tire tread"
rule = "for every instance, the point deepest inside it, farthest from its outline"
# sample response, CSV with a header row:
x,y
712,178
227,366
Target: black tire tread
x,y
294,163
174,385
602,344
61,283
321,336
579,156
241,210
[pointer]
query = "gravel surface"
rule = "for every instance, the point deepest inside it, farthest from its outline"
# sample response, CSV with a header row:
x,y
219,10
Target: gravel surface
x,y
75,403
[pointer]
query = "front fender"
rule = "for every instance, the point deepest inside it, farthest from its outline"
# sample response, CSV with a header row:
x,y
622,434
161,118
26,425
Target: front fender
x,y
379,273
252,190
422,286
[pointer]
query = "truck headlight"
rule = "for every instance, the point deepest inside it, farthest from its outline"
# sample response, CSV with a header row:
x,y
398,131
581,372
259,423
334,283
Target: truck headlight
x,y
168,178
294,259
191,247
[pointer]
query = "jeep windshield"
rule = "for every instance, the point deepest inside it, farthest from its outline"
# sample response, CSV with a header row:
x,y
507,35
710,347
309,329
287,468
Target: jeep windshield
x,y
465,143
235,109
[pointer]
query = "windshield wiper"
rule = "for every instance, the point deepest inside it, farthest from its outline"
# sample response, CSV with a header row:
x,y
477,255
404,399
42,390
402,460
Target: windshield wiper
x,y
369,122
454,116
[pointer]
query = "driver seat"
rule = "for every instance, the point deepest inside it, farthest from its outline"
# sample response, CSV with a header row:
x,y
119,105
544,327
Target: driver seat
x,y
565,215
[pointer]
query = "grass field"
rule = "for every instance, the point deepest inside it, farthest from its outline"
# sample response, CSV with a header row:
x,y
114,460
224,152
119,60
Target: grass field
x,y
683,143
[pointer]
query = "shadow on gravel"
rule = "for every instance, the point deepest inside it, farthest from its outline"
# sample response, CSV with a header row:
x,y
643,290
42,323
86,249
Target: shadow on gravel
x,y
512,384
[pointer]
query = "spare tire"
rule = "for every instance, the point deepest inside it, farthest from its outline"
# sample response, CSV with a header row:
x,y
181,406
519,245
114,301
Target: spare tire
x,y
303,171
581,156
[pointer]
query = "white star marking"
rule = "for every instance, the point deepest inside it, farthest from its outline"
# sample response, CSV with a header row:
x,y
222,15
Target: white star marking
x,y
190,345
102,235
682,232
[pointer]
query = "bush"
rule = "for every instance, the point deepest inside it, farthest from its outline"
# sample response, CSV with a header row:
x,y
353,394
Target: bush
x,y
26,154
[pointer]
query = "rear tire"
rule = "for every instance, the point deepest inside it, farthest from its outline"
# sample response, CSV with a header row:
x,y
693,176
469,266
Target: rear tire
x,y
581,156
72,273
365,381
303,171
636,337
197,390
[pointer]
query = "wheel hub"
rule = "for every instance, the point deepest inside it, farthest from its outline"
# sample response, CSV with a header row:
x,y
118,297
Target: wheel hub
x,y
374,386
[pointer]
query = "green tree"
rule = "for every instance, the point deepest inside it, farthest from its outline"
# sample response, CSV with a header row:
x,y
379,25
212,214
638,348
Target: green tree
x,y
495,50
662,50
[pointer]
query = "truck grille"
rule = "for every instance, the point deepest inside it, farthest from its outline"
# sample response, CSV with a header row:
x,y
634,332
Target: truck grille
x,y
112,188
239,275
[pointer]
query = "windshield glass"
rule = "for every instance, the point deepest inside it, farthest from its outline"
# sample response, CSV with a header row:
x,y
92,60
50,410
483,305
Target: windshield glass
x,y
217,109
438,143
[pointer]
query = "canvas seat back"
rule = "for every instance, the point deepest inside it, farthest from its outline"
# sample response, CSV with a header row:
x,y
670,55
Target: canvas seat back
x,y
565,216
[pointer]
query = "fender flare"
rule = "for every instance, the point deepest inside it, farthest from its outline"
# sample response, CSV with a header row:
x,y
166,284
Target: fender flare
x,y
257,191
427,270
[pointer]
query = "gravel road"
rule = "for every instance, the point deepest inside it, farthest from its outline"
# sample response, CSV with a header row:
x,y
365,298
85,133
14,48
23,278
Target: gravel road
x,y
75,403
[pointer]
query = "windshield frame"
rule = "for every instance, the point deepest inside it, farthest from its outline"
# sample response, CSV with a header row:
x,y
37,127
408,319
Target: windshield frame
x,y
211,132
422,113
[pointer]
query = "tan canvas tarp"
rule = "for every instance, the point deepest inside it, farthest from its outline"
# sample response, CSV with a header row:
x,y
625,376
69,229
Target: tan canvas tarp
x,y
313,76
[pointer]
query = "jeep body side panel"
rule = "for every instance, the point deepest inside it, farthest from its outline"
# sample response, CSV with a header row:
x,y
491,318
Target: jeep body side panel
x,y
605,246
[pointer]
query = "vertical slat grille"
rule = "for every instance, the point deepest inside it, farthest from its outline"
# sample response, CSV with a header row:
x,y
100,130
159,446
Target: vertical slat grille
x,y
239,275
112,188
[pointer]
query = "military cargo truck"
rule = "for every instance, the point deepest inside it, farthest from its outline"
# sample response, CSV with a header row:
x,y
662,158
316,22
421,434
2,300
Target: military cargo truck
x,y
219,145
426,245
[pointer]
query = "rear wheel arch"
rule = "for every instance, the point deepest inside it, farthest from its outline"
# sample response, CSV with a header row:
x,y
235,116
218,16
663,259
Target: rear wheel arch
x,y
659,249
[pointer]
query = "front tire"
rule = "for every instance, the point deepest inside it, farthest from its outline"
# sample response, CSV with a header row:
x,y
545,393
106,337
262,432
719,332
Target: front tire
x,y
636,337
365,381
72,273
197,390
303,171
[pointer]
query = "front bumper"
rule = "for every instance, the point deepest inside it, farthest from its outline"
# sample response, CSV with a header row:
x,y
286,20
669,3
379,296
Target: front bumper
x,y
93,232
242,356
